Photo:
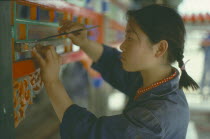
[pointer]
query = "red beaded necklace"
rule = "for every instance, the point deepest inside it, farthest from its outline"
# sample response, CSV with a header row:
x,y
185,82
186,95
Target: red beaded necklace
x,y
142,90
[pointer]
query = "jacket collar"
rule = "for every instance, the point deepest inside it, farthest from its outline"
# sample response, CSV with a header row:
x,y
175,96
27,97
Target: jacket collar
x,y
166,88
160,92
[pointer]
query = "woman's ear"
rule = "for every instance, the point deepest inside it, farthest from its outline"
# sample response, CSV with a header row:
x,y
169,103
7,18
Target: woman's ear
x,y
161,48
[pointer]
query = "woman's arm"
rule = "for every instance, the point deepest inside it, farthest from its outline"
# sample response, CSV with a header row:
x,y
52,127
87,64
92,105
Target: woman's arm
x,y
91,48
106,60
78,123
58,97
50,63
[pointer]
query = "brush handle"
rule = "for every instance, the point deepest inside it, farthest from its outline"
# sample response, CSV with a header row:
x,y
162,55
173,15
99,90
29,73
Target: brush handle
x,y
65,33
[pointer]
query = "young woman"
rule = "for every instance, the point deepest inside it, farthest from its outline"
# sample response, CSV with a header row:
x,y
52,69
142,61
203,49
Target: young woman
x,y
157,108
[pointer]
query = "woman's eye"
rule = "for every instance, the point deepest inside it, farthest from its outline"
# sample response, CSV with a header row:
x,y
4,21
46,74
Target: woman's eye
x,y
128,38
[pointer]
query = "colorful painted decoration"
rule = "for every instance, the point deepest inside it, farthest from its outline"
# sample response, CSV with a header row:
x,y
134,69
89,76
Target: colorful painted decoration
x,y
25,89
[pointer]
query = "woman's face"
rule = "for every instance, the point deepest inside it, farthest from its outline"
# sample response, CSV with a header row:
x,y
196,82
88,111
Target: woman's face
x,y
137,51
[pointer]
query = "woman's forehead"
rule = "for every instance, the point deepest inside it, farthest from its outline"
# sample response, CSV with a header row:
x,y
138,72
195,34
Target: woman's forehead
x,y
132,27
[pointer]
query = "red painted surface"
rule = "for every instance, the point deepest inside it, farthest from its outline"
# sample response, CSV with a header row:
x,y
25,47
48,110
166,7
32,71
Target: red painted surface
x,y
23,68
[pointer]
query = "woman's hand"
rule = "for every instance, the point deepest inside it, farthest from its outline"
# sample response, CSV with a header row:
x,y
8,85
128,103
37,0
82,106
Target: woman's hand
x,y
49,62
78,38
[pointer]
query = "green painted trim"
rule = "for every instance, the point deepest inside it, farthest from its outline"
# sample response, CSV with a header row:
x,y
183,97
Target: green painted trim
x,y
27,22
34,22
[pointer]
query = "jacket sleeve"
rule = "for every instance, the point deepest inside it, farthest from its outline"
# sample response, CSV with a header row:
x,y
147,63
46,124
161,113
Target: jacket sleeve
x,y
110,67
78,123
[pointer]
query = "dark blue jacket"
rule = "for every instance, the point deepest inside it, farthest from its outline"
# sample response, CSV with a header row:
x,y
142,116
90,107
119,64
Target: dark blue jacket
x,y
161,113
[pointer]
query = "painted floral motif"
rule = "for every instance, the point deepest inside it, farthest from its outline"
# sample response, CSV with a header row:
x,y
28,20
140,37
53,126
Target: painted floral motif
x,y
24,90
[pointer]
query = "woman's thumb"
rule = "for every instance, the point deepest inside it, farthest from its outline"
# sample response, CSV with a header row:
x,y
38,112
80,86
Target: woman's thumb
x,y
71,36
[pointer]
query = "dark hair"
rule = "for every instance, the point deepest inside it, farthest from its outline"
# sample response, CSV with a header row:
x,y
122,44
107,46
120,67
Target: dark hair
x,y
159,22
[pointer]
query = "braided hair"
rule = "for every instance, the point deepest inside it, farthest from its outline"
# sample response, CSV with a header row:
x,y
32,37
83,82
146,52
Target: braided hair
x,y
159,22
185,81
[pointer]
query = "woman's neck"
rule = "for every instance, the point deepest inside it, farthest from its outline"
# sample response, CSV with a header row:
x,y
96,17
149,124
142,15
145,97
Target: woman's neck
x,y
155,74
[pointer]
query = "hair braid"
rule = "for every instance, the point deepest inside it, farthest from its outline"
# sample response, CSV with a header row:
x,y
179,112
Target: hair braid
x,y
185,80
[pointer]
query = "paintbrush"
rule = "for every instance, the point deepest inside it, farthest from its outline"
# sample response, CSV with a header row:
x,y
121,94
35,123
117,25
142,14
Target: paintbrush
x,y
65,33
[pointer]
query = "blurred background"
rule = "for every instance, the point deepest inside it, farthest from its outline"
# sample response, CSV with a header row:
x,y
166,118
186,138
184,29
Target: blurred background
x,y
87,88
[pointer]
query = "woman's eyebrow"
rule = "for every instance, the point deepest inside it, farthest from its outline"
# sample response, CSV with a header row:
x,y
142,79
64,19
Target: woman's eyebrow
x,y
129,31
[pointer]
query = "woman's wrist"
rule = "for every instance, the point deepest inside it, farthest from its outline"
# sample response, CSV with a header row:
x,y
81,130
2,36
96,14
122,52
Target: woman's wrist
x,y
85,43
52,83
58,97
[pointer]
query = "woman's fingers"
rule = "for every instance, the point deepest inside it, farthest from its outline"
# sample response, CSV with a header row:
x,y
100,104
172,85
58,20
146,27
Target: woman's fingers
x,y
66,25
70,26
73,36
47,53
40,50
74,27
38,57
54,54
